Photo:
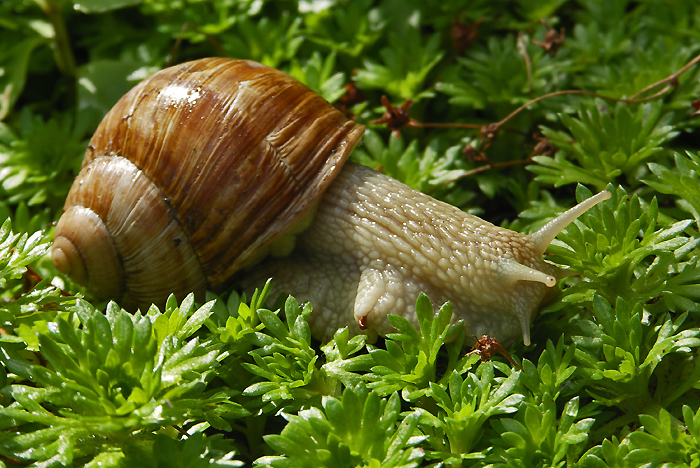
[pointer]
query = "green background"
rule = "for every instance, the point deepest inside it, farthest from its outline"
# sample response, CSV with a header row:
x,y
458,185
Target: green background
x,y
612,375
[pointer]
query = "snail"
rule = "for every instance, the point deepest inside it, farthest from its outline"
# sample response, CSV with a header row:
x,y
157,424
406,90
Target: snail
x,y
219,168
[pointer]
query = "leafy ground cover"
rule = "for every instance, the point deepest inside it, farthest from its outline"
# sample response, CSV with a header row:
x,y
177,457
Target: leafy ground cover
x,y
554,100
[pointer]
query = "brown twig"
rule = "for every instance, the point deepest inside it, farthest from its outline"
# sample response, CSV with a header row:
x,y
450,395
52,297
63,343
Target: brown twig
x,y
414,123
180,430
489,166
350,97
14,461
30,279
526,58
549,95
552,39
397,117
463,34
671,80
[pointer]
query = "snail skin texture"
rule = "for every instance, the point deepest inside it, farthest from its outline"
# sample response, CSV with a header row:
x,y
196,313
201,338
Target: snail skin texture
x,y
206,168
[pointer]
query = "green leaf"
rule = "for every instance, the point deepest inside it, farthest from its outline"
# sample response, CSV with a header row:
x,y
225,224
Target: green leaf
x,y
604,145
681,182
101,6
122,386
410,361
404,65
13,72
361,429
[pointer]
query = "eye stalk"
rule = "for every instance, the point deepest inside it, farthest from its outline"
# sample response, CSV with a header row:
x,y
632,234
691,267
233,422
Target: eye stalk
x,y
542,238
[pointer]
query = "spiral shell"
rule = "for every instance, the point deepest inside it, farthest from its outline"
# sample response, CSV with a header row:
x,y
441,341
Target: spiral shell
x,y
192,175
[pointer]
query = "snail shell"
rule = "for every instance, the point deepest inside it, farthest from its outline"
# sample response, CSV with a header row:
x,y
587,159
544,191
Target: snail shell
x,y
191,174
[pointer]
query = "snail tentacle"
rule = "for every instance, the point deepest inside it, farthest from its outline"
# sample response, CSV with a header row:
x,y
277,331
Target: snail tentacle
x,y
513,271
542,238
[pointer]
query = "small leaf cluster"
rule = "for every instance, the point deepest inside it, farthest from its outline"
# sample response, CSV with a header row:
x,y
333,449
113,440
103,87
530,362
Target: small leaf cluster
x,y
17,251
663,442
361,429
285,361
471,401
409,362
25,310
115,380
619,352
31,171
431,171
605,145
627,247
682,179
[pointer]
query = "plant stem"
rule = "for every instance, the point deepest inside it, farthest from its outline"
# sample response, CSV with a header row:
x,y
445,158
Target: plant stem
x,y
62,49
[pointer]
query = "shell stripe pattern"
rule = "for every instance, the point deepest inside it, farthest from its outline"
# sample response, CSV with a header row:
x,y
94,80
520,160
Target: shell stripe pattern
x,y
242,146
198,169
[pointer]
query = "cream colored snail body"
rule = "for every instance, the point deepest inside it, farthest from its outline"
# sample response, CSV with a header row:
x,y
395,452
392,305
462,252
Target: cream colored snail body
x,y
205,168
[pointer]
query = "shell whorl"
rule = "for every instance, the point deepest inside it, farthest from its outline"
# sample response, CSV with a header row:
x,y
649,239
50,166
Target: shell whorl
x,y
237,152
137,252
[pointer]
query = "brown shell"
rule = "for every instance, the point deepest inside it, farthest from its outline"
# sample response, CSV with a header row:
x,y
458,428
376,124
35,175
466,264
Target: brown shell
x,y
240,152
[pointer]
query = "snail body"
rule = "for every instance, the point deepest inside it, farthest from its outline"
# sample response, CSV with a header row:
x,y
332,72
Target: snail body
x,y
205,168
376,244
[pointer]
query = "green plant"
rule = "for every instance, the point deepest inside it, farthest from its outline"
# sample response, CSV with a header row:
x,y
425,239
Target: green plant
x,y
553,100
